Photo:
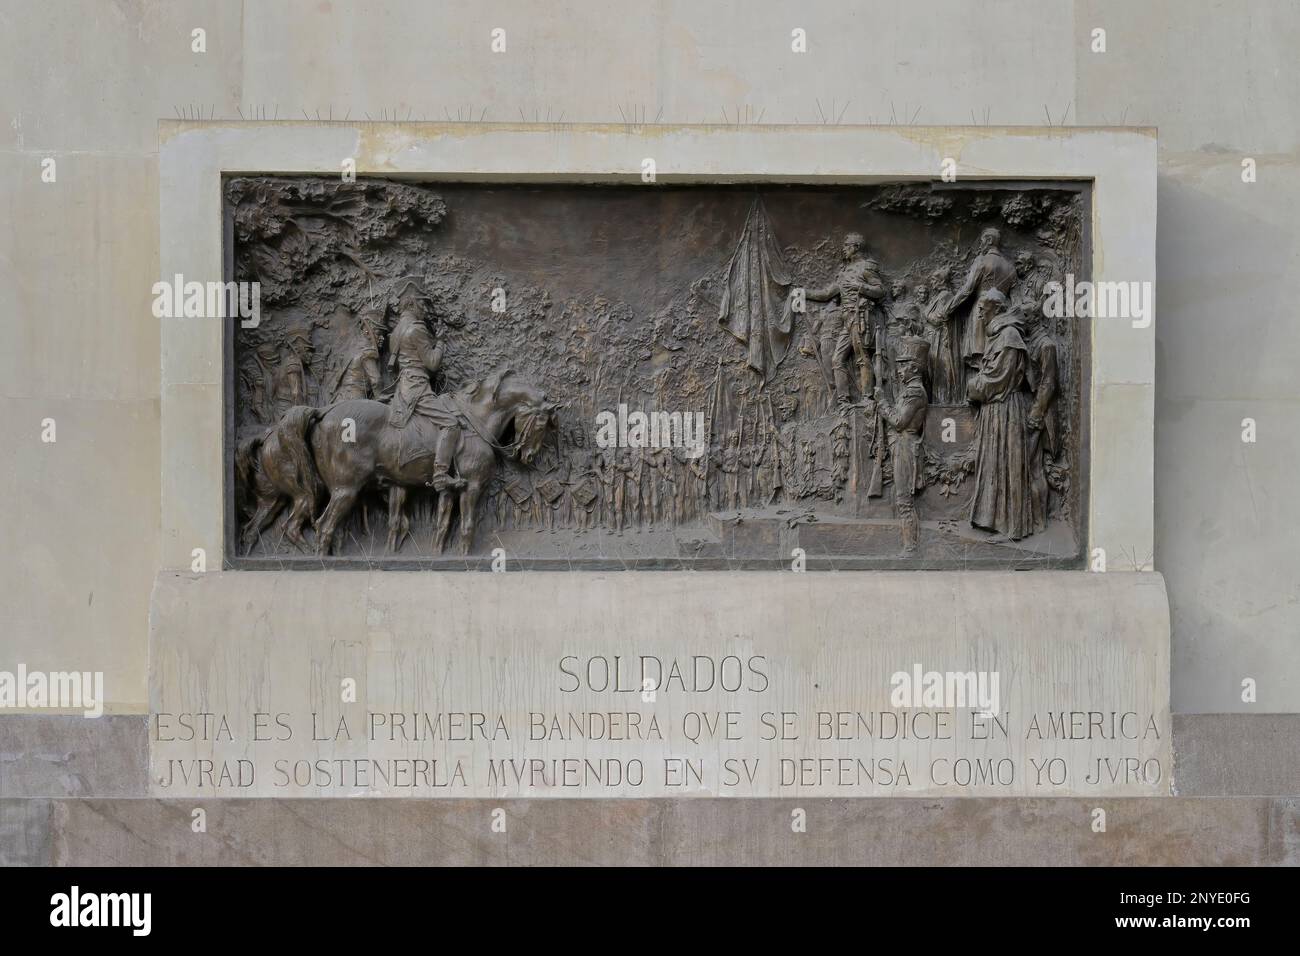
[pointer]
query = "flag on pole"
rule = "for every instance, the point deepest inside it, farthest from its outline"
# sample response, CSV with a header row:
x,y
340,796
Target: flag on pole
x,y
755,301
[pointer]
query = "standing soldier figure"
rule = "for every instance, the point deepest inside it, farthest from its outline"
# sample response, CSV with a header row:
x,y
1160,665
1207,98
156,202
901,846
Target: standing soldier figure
x,y
906,419
661,481
903,313
579,491
520,492
854,288
809,470
785,438
496,494
260,371
611,483
293,381
583,485
695,486
632,465
730,466
552,479
360,375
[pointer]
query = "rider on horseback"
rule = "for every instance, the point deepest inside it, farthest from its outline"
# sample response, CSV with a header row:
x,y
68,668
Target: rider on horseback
x,y
417,356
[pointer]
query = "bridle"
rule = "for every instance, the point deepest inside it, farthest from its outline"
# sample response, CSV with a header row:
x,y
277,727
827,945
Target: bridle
x,y
511,450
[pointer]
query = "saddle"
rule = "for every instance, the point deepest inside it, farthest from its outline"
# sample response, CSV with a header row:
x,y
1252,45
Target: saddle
x,y
419,440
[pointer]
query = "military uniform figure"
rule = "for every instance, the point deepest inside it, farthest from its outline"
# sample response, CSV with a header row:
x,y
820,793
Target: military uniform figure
x,y
360,376
733,458
259,369
695,487
611,483
580,488
785,481
495,492
293,378
552,479
415,353
906,420
661,491
809,470
903,313
631,463
520,492
583,483
853,289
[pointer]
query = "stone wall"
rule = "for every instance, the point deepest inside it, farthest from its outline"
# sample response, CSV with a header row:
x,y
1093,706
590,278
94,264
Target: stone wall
x,y
86,82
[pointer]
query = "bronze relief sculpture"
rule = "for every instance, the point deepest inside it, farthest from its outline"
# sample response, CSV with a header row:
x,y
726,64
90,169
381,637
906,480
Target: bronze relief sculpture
x,y
586,376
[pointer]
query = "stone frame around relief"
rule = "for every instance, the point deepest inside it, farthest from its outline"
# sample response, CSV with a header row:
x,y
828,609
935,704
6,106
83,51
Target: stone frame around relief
x,y
1119,241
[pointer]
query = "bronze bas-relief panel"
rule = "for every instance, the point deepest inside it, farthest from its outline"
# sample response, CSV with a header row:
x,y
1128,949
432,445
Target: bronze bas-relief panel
x,y
580,376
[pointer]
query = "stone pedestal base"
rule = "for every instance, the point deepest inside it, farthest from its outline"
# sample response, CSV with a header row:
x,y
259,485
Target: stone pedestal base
x,y
659,685
1226,831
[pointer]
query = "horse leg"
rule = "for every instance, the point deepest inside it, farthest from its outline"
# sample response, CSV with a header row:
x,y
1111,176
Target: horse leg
x,y
468,504
341,502
267,508
299,515
442,527
398,524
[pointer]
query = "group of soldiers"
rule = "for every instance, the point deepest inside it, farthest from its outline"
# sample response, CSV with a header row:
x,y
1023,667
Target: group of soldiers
x,y
633,489
280,375
639,489
855,335
618,489
985,344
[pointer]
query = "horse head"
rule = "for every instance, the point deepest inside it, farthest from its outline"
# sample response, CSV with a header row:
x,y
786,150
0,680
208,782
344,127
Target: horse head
x,y
516,406
531,424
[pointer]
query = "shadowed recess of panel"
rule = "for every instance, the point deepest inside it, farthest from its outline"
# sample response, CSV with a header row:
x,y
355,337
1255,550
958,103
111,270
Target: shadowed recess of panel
x,y
582,376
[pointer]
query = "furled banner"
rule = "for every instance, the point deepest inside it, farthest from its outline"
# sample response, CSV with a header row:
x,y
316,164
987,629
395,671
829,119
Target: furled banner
x,y
755,305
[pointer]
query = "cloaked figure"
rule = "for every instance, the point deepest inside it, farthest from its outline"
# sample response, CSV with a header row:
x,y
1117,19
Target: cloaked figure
x,y
1042,380
991,271
944,361
1003,500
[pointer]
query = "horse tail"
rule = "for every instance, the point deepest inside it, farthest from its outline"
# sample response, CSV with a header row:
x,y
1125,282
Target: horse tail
x,y
246,466
299,469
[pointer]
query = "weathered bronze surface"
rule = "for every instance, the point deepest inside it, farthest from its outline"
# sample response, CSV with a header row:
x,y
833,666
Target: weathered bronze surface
x,y
448,375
